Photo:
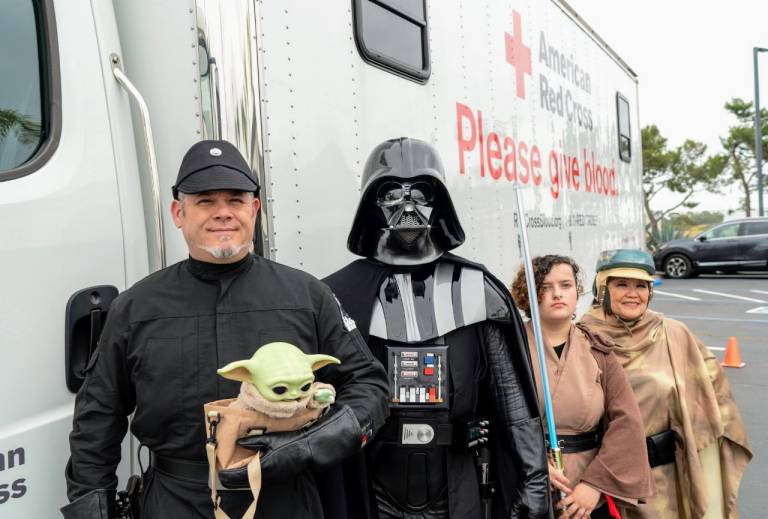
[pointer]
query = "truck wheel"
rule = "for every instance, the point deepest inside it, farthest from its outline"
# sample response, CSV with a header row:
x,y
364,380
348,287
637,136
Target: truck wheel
x,y
677,266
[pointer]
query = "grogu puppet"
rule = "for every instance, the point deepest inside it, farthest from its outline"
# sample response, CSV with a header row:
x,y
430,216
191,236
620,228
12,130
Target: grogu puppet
x,y
279,380
278,394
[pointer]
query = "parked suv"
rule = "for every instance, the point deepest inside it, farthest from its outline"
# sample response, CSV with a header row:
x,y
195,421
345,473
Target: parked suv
x,y
728,247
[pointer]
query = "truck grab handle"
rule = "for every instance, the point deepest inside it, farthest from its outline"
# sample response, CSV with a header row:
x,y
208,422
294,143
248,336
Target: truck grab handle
x,y
149,144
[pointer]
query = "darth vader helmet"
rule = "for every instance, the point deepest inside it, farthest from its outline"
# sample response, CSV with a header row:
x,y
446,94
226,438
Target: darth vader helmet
x,y
405,215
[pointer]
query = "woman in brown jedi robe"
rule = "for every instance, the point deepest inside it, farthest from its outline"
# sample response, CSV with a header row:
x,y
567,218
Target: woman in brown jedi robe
x,y
697,444
597,419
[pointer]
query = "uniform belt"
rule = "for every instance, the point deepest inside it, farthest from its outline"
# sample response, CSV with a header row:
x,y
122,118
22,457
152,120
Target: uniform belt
x,y
570,443
661,448
195,471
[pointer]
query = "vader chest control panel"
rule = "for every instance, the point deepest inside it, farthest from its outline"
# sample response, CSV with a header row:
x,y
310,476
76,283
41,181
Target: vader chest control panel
x,y
418,376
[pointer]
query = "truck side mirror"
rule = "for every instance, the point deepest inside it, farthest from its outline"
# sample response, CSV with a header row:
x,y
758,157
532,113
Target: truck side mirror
x,y
86,312
203,58
702,238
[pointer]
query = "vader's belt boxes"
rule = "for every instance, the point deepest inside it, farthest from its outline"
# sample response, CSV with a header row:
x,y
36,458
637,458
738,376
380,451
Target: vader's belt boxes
x,y
418,376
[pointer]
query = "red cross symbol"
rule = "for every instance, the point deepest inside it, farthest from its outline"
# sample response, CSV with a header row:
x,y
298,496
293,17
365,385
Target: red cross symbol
x,y
518,55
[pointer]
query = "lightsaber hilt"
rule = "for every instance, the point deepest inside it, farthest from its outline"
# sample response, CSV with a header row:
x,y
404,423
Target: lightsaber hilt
x,y
556,457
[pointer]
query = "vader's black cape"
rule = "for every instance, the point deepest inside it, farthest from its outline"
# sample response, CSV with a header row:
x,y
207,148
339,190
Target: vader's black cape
x,y
346,492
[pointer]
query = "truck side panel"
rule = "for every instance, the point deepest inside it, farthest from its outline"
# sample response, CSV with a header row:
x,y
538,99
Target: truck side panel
x,y
517,92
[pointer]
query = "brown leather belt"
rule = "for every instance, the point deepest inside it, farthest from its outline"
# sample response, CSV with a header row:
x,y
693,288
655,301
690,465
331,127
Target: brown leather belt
x,y
570,443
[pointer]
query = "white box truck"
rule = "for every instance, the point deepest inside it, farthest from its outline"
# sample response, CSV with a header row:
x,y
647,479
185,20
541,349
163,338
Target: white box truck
x,y
508,91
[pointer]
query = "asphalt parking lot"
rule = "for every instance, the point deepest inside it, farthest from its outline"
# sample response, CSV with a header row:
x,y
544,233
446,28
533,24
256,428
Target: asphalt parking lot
x,y
716,308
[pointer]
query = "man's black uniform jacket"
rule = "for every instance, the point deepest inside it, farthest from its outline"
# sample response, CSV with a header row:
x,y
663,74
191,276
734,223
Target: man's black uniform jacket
x,y
163,341
518,451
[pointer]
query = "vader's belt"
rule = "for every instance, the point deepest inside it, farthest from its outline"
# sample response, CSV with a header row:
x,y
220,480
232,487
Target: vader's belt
x,y
438,431
418,432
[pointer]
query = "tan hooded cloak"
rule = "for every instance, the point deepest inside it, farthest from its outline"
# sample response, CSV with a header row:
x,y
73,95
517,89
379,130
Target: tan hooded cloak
x,y
590,390
680,385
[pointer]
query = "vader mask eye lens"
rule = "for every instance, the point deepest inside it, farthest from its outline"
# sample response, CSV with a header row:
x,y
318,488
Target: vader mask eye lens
x,y
279,390
389,193
422,193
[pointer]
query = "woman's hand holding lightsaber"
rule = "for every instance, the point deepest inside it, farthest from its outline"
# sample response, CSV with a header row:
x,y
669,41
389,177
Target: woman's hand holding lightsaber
x,y
558,481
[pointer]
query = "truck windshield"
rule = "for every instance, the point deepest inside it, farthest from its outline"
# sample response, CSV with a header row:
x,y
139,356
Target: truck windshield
x,y
20,101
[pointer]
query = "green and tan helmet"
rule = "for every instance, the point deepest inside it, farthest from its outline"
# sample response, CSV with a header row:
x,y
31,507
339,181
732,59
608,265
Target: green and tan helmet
x,y
621,263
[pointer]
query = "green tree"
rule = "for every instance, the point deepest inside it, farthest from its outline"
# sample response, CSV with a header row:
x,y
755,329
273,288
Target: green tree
x,y
27,130
679,225
739,146
685,170
691,219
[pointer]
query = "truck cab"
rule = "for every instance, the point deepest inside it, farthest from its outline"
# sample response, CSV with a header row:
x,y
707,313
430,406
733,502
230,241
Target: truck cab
x,y
71,223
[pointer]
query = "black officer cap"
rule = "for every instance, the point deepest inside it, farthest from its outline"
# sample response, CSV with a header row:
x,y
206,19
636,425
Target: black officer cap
x,y
214,166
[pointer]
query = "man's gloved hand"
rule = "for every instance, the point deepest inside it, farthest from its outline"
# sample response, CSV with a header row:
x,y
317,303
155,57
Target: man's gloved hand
x,y
96,504
334,437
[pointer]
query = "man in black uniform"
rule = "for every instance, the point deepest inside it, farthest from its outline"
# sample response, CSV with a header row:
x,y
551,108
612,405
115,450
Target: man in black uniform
x,y
165,337
453,344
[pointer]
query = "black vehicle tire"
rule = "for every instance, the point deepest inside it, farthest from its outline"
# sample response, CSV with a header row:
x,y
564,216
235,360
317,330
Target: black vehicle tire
x,y
678,266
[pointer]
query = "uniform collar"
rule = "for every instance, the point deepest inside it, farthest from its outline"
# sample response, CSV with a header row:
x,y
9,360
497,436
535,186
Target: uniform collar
x,y
215,271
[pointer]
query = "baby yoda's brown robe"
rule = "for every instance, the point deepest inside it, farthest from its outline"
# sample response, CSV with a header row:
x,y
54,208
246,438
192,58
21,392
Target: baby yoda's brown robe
x,y
590,390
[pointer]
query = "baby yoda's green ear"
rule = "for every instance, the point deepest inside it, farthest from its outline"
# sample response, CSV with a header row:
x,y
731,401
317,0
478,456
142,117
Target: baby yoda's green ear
x,y
237,370
320,360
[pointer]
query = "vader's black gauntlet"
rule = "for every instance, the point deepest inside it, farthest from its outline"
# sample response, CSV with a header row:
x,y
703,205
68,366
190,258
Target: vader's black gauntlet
x,y
519,426
329,441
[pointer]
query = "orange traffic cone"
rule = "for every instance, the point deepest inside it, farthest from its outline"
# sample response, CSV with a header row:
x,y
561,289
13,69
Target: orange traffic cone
x,y
732,355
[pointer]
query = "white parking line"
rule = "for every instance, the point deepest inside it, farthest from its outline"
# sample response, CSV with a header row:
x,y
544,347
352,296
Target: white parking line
x,y
707,318
700,290
716,348
676,295
759,291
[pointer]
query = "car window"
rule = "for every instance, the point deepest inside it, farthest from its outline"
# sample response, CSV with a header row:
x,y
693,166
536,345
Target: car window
x,y
753,228
723,231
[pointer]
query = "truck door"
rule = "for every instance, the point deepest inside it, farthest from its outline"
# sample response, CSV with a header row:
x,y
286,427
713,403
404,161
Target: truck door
x,y
60,232
753,244
720,246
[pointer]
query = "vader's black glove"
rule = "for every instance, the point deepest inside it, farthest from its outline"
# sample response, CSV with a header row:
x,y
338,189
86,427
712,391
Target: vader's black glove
x,y
329,441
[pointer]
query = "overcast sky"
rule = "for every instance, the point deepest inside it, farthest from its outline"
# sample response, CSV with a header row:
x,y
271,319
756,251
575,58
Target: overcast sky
x,y
691,57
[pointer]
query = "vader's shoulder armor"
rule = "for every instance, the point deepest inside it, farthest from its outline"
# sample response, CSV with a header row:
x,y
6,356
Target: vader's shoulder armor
x,y
423,304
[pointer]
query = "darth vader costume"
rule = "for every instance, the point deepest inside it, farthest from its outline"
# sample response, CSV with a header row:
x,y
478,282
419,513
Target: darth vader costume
x,y
464,437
